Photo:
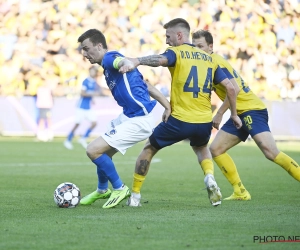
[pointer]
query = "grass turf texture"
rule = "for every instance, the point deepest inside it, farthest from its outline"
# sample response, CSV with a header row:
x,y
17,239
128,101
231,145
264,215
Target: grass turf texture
x,y
175,212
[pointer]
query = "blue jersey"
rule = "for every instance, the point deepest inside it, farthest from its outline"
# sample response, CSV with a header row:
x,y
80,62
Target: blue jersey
x,y
129,89
89,85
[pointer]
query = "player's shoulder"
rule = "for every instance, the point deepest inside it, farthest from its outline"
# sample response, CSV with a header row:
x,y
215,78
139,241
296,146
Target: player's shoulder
x,y
113,53
221,60
170,48
217,57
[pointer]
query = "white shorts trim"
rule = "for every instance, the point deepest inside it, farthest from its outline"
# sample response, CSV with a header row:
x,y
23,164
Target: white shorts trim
x,y
82,114
124,132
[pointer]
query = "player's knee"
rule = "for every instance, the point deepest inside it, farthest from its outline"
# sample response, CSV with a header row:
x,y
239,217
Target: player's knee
x,y
91,151
214,150
149,149
270,154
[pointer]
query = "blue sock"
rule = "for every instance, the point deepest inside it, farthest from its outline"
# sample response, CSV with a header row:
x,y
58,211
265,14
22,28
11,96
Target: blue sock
x,y
102,179
87,133
70,136
105,165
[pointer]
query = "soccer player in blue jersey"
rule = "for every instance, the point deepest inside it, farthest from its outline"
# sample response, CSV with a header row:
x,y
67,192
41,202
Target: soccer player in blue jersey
x,y
89,89
193,72
135,124
254,116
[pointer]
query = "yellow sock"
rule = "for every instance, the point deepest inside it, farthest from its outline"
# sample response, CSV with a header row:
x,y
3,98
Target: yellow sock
x,y
207,166
138,181
288,164
228,168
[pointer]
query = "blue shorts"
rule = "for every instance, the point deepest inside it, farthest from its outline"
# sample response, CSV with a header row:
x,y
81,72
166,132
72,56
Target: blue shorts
x,y
174,130
254,122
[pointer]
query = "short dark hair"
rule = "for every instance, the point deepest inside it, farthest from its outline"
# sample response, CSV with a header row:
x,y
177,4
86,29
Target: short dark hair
x,y
95,37
180,22
203,33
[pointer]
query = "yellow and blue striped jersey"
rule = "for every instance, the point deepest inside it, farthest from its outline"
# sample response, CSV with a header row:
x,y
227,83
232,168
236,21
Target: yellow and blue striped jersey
x,y
246,99
193,72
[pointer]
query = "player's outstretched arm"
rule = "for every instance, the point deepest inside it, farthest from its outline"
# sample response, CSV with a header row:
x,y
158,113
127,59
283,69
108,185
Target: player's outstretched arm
x,y
129,64
153,61
157,95
231,95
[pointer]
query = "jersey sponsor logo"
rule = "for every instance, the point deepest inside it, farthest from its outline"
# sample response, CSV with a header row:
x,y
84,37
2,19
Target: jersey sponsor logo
x,y
111,85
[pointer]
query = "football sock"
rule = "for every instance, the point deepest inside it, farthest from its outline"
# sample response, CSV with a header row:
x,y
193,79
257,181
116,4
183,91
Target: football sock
x,y
106,167
228,168
138,181
207,166
288,164
135,195
120,188
70,136
102,179
87,133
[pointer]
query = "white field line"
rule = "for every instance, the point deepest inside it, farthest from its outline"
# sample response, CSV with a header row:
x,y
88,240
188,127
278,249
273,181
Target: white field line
x,y
45,164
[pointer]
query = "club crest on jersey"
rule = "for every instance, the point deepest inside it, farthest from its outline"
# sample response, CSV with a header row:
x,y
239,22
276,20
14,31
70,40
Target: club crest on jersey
x,y
113,131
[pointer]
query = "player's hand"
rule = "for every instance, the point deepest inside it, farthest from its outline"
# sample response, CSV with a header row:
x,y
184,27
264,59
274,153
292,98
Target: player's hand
x,y
129,64
236,121
217,120
166,115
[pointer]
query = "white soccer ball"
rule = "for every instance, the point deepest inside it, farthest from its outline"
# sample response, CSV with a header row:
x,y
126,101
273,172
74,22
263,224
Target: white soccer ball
x,y
67,195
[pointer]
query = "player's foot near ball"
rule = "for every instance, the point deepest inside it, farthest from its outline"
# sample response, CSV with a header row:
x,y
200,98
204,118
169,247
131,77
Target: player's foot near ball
x,y
117,196
92,197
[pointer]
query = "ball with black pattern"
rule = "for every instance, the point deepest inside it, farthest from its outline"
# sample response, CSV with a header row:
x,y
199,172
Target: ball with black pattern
x,y
67,195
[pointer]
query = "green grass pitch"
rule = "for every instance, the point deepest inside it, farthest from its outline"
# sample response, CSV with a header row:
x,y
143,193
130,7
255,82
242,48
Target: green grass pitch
x,y
175,212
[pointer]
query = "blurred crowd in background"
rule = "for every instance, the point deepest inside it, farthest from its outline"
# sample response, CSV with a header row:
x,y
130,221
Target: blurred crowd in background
x,y
38,41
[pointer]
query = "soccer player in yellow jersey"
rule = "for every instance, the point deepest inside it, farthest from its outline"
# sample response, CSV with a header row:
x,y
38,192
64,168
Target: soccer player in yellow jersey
x,y
193,72
254,116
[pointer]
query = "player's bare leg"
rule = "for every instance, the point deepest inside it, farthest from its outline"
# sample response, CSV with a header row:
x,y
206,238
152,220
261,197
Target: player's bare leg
x,y
267,145
205,160
98,147
220,145
141,169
